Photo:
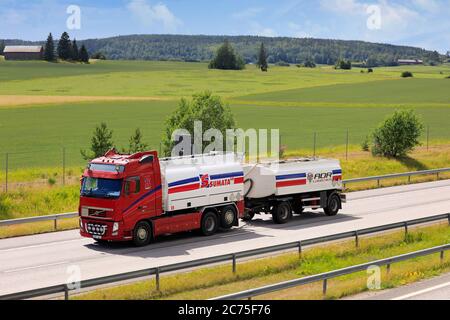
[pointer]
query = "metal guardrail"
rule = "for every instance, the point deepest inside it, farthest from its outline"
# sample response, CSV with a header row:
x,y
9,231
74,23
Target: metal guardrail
x,y
57,217
157,271
398,175
53,217
248,294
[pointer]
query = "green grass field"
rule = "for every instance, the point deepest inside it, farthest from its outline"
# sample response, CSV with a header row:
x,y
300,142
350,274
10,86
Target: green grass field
x,y
298,101
38,134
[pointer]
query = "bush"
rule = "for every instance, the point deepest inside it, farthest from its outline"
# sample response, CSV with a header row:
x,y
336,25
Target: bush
x,y
365,144
370,70
283,64
407,74
344,65
309,64
397,135
98,56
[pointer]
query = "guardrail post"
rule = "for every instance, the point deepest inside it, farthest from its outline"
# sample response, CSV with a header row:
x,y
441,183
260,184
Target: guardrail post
x,y
325,287
64,166
55,224
346,146
406,228
158,287
437,176
299,249
388,268
409,179
379,183
315,143
6,172
357,239
66,292
234,264
448,218
442,256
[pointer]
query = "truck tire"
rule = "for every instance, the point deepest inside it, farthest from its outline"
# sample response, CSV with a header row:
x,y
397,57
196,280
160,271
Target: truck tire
x,y
333,206
142,234
228,217
281,213
210,223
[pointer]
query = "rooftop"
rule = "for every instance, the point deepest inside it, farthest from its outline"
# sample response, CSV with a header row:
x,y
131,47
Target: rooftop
x,y
22,49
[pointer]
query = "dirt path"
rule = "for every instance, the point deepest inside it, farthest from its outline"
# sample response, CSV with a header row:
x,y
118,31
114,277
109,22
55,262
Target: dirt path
x,y
21,100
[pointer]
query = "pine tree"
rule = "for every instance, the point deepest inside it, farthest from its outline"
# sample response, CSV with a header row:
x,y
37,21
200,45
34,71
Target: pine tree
x,y
2,46
227,59
101,142
75,51
49,51
84,55
65,47
136,144
262,59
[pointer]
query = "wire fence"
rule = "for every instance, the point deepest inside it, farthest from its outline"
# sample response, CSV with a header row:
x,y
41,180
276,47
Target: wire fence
x,y
64,165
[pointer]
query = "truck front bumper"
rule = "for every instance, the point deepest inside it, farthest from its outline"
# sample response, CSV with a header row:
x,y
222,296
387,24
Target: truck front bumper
x,y
103,230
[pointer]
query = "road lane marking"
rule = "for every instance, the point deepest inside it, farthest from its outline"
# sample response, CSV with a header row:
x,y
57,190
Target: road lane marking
x,y
410,295
43,245
36,267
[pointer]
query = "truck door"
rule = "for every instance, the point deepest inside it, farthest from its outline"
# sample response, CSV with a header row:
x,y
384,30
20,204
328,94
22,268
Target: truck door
x,y
148,202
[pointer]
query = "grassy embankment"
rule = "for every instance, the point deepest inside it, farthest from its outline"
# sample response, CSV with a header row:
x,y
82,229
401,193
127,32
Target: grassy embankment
x,y
216,281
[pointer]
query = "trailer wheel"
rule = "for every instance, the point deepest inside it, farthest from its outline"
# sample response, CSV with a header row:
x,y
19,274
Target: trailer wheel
x,y
228,217
210,223
248,216
282,213
142,234
333,206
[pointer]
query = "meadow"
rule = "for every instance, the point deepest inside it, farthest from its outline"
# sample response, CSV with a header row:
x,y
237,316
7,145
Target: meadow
x,y
298,101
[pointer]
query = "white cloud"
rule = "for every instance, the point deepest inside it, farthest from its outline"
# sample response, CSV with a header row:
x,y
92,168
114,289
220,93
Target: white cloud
x,y
149,15
427,5
247,13
259,30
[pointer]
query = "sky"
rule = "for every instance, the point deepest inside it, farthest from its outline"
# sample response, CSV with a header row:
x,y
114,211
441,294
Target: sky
x,y
419,23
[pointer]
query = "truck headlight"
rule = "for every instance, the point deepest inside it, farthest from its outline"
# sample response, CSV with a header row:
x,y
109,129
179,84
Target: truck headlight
x,y
81,225
115,227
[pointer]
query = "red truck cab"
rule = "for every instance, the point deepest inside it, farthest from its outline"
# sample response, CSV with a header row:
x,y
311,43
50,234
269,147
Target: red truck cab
x,y
118,191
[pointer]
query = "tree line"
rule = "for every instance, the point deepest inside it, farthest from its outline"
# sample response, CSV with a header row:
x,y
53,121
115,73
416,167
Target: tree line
x,y
300,51
66,50
280,49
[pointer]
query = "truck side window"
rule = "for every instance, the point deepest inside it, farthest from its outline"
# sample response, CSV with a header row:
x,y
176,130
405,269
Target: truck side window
x,y
137,184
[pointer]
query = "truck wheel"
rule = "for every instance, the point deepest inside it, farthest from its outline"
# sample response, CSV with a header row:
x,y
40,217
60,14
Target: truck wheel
x,y
281,213
228,217
334,204
248,216
142,234
210,223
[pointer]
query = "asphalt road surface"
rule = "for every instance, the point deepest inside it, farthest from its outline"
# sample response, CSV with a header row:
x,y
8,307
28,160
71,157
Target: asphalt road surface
x,y
42,260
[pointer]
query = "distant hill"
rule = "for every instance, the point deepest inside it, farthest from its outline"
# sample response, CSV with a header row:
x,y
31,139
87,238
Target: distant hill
x,y
280,49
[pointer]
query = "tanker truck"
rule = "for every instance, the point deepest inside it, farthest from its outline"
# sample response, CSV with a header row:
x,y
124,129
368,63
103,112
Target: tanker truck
x,y
139,197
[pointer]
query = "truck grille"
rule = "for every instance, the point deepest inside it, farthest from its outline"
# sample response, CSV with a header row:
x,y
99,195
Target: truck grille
x,y
96,229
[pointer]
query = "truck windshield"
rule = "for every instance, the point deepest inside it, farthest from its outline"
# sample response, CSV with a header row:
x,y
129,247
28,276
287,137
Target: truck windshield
x,y
101,188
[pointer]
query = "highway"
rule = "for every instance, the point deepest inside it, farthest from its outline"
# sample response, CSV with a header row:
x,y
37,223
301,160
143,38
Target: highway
x,y
42,260
437,288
